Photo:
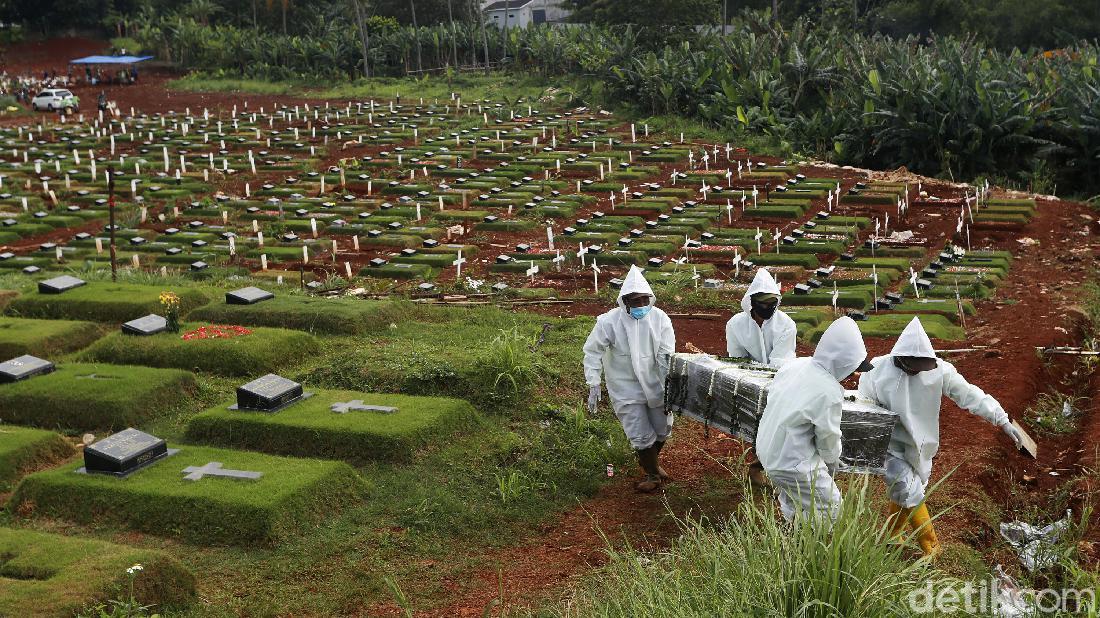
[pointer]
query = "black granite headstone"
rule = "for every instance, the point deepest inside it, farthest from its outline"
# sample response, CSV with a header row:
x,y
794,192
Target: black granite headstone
x,y
58,285
269,393
23,367
148,325
247,296
124,453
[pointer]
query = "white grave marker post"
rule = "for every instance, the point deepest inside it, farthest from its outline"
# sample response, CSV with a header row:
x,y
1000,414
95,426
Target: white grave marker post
x,y
913,281
531,272
550,237
874,283
759,237
459,261
263,261
347,269
558,259
595,277
737,266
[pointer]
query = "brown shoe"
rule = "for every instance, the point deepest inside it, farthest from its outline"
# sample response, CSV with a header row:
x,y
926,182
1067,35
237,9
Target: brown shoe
x,y
649,484
757,476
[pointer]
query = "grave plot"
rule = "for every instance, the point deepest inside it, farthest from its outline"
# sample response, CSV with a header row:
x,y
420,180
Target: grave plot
x,y
345,316
328,423
203,495
215,348
23,449
45,338
85,396
53,575
98,301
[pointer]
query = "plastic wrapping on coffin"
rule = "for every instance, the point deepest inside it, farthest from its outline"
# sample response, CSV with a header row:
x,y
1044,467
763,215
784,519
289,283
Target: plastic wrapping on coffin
x,y
730,396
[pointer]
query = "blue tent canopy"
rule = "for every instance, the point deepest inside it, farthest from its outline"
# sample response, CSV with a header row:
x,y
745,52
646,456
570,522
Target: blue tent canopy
x,y
111,60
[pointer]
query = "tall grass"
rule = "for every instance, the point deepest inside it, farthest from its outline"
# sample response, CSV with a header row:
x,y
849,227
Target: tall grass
x,y
754,564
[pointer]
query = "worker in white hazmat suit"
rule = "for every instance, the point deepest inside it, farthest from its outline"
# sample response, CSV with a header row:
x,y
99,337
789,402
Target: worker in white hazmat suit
x,y
760,331
912,382
764,334
630,347
798,440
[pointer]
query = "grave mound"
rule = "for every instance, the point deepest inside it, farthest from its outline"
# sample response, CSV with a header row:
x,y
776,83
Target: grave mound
x,y
81,397
198,494
337,424
53,575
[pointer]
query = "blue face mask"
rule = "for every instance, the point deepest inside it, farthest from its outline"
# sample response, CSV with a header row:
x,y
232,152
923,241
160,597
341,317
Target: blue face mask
x,y
639,312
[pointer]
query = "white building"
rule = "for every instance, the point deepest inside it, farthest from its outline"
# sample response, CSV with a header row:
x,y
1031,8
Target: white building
x,y
522,13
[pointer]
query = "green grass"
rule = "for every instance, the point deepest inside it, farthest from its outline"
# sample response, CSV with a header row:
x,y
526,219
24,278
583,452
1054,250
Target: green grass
x,y
103,302
1045,414
44,338
752,565
291,495
94,396
310,428
315,315
23,449
887,325
484,356
53,575
265,350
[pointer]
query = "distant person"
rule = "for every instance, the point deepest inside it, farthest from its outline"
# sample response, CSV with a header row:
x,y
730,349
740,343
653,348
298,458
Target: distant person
x,y
133,75
101,101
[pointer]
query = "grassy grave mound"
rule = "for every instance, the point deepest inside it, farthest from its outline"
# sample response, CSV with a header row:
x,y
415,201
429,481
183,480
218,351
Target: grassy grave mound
x,y
291,496
23,449
310,428
53,575
44,338
888,325
80,396
262,350
103,302
490,357
347,316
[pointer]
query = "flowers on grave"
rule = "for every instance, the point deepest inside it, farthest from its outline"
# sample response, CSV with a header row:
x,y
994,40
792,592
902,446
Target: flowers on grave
x,y
134,569
215,331
170,302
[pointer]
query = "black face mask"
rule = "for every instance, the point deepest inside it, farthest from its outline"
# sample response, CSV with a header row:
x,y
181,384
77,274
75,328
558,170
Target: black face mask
x,y
764,311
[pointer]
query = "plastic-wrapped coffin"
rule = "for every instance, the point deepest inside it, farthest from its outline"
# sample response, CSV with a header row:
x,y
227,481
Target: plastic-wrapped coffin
x,y
731,396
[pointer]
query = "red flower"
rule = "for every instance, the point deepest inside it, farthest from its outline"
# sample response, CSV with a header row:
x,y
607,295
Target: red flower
x,y
215,331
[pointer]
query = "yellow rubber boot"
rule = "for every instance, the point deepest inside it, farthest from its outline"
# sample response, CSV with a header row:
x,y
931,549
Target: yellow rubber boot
x,y
926,536
898,519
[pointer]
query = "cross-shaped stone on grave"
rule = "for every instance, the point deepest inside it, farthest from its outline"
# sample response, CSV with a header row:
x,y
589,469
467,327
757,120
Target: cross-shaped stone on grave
x,y
214,468
344,407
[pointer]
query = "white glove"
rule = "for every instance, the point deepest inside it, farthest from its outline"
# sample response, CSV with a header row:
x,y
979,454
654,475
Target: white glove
x,y
833,469
594,397
1011,431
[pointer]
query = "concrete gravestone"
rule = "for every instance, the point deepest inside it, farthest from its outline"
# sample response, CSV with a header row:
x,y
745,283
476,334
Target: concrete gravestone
x,y
23,367
148,325
58,285
247,296
269,393
123,453
214,468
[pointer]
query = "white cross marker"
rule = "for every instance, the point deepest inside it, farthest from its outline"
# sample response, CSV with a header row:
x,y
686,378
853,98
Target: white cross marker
x,y
595,277
458,265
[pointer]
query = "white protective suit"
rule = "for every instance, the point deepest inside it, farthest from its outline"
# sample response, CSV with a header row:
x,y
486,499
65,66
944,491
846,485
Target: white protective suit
x,y
633,358
799,432
772,342
916,399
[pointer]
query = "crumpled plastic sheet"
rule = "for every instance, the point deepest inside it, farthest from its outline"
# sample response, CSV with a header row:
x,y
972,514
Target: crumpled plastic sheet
x,y
1010,601
1034,545
730,396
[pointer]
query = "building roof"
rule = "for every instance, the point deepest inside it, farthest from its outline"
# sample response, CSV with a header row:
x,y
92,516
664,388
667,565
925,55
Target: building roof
x,y
499,5
110,60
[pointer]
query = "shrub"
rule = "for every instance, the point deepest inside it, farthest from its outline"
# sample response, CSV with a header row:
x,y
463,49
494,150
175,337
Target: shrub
x,y
54,575
265,350
291,495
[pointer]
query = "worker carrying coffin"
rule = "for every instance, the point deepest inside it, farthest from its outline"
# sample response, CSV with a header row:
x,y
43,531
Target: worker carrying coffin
x,y
911,381
798,439
763,333
630,347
